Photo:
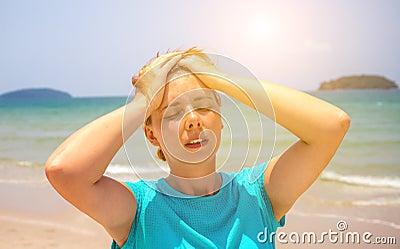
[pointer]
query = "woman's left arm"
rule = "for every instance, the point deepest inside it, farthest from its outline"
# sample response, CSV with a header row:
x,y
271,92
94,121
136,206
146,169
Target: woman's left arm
x,y
319,126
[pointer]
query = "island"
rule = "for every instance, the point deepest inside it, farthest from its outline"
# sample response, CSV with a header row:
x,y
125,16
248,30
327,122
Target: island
x,y
358,82
36,94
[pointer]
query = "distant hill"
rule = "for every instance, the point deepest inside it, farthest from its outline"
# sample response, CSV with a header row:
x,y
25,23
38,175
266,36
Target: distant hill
x,y
358,82
36,93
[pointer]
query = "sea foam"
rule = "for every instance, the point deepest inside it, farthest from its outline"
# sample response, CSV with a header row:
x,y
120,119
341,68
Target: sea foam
x,y
367,181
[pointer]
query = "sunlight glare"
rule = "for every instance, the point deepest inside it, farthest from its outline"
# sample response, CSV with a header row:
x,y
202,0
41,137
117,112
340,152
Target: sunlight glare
x,y
260,27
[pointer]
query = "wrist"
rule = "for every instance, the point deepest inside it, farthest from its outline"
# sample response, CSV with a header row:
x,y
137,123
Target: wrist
x,y
218,80
140,98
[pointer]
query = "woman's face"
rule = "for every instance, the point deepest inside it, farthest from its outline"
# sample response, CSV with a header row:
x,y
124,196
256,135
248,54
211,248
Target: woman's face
x,y
187,125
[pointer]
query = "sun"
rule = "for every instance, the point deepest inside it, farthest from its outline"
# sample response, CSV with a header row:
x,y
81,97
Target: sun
x,y
260,27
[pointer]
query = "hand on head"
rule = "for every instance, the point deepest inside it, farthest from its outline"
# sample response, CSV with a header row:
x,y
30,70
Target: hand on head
x,y
200,64
197,63
152,78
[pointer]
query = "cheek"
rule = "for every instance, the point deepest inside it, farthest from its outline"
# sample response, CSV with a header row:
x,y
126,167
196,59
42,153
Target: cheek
x,y
213,120
170,132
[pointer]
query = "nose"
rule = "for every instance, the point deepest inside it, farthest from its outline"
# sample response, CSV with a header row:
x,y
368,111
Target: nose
x,y
193,121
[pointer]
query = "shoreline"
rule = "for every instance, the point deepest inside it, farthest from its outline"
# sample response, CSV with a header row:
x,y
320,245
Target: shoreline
x,y
35,216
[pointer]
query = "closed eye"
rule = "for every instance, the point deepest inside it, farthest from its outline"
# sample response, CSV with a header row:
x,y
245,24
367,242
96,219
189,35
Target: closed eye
x,y
171,116
204,109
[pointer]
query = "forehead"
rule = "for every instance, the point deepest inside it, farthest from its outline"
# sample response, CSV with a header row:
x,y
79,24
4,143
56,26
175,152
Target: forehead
x,y
186,87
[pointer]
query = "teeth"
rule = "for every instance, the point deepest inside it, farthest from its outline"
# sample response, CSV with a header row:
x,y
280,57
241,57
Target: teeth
x,y
196,141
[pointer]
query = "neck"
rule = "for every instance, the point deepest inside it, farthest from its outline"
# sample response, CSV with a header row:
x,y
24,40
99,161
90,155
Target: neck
x,y
195,179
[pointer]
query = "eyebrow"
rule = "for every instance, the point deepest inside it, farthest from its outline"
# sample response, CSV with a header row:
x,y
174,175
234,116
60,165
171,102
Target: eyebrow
x,y
178,103
201,98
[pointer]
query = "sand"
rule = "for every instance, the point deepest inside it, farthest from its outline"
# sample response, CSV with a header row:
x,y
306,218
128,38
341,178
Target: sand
x,y
35,216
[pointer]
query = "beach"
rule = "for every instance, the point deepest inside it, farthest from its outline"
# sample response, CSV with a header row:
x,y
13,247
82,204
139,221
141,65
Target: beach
x,y
35,216
359,190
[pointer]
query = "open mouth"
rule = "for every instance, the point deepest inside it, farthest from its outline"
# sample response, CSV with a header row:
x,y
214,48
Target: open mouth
x,y
196,144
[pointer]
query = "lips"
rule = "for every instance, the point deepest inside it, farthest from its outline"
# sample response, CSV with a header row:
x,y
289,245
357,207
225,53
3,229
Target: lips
x,y
196,143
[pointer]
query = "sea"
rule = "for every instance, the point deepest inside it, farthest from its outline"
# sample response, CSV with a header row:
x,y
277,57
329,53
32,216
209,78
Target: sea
x,y
365,172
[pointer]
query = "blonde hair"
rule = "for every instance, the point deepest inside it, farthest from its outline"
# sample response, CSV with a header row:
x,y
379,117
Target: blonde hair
x,y
177,70
168,55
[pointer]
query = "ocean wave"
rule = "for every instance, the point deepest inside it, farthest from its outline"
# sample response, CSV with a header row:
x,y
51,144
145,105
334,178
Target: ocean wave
x,y
20,163
372,202
377,202
117,169
25,163
29,164
126,169
367,181
24,181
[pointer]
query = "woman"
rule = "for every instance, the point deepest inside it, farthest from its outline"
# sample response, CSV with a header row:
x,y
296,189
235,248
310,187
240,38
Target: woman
x,y
195,207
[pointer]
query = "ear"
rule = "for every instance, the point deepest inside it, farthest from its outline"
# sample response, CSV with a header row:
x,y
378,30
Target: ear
x,y
148,131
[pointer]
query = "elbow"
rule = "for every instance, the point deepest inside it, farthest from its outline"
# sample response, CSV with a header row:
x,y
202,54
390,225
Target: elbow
x,y
339,128
58,173
344,122
62,178
62,175
53,172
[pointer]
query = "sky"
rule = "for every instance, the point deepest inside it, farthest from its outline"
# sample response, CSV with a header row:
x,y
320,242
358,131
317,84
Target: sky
x,y
94,47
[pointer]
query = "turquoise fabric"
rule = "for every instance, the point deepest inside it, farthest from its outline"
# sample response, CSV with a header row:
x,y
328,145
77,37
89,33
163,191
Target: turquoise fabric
x,y
236,217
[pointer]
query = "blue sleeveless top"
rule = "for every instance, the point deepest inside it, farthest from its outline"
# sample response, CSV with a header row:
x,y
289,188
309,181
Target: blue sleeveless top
x,y
240,215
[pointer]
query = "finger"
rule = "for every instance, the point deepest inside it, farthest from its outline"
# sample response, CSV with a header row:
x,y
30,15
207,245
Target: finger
x,y
191,59
193,63
170,63
155,101
162,60
186,62
162,72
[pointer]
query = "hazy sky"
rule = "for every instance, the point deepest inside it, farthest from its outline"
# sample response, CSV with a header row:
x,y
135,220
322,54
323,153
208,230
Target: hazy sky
x,y
90,48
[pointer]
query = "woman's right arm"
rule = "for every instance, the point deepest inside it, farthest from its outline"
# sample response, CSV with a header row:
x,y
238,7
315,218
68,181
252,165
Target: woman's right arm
x,y
76,168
